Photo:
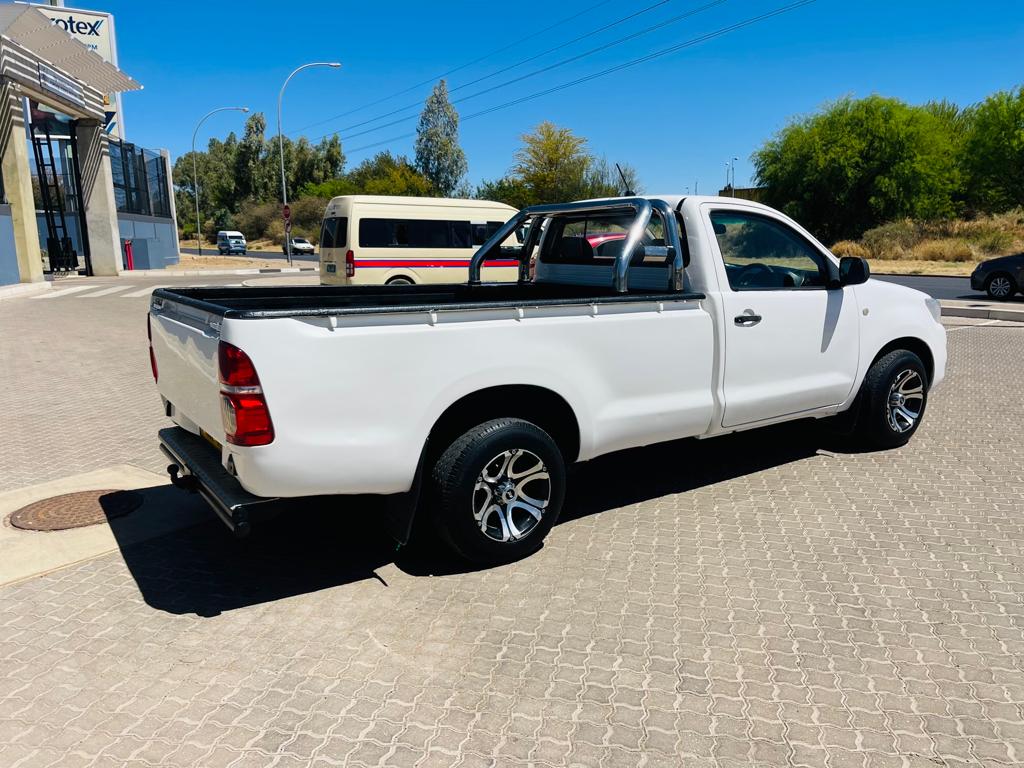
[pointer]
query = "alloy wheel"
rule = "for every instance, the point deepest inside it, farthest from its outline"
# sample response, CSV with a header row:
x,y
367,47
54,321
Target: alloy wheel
x,y
906,401
999,287
511,494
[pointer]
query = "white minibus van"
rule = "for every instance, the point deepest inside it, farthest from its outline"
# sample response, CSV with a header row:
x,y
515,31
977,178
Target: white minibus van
x,y
376,240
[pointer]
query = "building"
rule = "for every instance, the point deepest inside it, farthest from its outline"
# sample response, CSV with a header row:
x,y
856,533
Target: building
x,y
77,197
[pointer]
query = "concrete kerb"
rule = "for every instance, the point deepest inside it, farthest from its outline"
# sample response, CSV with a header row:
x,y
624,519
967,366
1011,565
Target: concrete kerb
x,y
982,310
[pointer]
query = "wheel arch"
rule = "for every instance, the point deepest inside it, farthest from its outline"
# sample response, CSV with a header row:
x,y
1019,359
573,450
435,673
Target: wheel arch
x,y
539,405
912,344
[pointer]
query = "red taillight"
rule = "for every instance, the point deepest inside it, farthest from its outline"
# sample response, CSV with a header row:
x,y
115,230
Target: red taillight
x,y
243,406
152,357
350,264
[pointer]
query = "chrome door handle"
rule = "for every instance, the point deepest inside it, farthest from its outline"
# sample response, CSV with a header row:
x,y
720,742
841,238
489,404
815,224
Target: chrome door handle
x,y
747,319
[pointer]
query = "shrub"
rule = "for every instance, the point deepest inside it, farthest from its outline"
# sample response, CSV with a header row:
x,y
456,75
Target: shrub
x,y
993,241
890,240
254,218
942,250
850,248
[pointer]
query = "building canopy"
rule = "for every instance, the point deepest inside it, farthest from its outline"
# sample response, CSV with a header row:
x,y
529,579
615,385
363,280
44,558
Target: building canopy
x,y
27,27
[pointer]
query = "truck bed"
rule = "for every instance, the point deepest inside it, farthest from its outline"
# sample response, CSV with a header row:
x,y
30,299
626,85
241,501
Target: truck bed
x,y
287,301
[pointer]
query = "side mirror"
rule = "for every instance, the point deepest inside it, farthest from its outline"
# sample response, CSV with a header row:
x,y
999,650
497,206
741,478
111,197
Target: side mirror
x,y
853,271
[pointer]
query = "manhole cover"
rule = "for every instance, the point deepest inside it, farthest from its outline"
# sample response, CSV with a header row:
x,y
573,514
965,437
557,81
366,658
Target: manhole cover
x,y
75,510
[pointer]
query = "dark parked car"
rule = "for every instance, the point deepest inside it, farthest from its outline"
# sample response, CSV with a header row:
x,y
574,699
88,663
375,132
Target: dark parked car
x,y
1000,278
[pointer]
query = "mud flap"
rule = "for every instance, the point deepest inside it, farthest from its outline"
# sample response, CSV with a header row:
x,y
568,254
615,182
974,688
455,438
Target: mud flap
x,y
400,508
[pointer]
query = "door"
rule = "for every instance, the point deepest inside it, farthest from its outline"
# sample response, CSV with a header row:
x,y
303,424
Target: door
x,y
791,342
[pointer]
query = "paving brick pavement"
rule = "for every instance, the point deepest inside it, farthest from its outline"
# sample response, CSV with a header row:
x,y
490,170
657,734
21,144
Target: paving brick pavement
x,y
751,600
76,393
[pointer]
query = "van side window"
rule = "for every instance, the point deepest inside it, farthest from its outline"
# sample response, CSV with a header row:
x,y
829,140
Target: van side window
x,y
334,233
414,233
482,231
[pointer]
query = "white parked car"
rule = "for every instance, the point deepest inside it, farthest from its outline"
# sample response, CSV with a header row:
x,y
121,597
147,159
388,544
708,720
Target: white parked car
x,y
634,321
300,245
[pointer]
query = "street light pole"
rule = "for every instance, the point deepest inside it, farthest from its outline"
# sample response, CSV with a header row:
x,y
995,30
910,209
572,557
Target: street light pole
x,y
280,141
195,175
732,166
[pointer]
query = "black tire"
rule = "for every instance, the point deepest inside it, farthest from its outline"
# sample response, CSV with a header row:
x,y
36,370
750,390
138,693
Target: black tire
x,y
1000,286
898,372
399,281
457,478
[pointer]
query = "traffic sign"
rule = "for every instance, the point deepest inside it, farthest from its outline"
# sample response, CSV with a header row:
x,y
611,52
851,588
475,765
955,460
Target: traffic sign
x,y
287,212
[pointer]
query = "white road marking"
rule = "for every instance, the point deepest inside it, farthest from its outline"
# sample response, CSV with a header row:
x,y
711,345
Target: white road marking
x,y
64,292
142,292
105,292
972,325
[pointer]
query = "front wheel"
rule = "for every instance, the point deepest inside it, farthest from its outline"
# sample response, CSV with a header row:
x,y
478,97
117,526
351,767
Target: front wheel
x,y
894,395
498,490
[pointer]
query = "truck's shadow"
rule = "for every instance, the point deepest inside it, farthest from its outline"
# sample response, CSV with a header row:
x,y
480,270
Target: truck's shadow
x,y
202,570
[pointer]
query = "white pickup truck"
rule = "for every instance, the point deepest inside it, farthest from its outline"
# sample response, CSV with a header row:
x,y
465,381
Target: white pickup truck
x,y
634,320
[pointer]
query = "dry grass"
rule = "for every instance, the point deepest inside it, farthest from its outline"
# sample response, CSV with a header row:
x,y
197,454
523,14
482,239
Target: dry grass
x,y
912,267
951,247
851,248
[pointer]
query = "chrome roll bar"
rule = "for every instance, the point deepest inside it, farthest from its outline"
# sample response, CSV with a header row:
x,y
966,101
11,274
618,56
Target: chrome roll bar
x,y
643,207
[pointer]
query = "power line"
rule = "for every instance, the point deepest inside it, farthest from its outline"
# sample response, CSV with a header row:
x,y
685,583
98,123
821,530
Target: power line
x,y
633,62
647,30
459,68
419,104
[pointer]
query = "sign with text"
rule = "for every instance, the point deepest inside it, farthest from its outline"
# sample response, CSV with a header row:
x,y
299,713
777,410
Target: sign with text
x,y
53,81
95,30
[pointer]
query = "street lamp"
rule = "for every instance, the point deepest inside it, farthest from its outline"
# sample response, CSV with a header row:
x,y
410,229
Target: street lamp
x,y
280,140
732,170
195,175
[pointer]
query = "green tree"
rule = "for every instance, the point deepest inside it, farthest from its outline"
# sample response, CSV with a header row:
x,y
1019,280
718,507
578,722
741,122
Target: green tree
x,y
438,154
250,160
859,162
386,174
554,166
994,152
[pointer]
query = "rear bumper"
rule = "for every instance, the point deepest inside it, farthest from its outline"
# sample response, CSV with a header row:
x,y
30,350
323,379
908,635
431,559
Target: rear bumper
x,y
195,466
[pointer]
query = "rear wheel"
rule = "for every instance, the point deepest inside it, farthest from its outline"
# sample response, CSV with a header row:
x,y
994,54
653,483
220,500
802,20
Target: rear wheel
x,y
399,281
498,490
894,395
1000,287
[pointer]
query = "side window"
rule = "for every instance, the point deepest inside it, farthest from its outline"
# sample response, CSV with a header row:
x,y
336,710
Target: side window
x,y
763,254
482,231
414,233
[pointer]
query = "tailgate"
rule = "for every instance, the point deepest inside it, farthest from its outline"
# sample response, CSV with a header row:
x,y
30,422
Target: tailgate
x,y
185,345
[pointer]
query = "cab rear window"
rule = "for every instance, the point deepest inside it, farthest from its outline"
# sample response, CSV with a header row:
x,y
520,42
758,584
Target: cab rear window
x,y
334,233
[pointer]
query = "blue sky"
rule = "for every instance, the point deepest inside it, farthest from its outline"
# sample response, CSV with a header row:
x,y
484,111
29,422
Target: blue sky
x,y
676,119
